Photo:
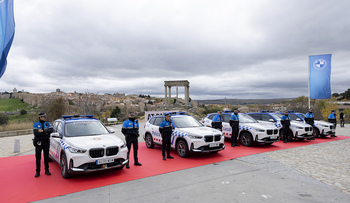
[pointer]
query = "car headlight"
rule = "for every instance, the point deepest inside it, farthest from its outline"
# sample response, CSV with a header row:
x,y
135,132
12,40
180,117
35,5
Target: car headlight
x,y
301,128
325,126
194,136
123,146
258,130
76,150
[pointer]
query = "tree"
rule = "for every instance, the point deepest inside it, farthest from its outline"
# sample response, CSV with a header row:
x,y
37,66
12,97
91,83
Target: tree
x,y
115,112
4,119
326,106
56,108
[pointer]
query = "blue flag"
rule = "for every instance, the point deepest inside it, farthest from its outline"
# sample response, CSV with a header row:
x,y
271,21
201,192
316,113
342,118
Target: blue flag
x,y
7,31
320,76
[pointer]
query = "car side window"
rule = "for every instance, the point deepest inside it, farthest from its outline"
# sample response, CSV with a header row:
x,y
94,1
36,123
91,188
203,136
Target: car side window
x,y
158,121
59,128
151,121
55,126
226,118
211,116
256,116
293,117
266,117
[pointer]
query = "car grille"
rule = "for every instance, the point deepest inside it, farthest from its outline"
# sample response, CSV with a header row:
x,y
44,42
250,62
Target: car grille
x,y
97,152
110,151
272,132
210,138
308,129
331,126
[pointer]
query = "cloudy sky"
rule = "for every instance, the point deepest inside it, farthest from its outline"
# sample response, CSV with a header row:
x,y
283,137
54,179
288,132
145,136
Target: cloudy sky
x,y
225,48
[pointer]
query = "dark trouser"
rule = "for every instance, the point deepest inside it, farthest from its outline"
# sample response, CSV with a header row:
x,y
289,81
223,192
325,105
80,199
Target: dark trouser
x,y
166,142
132,139
45,146
234,135
286,133
342,122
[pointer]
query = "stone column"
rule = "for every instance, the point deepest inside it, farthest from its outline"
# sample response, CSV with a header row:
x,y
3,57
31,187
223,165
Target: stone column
x,y
186,96
169,95
177,93
166,96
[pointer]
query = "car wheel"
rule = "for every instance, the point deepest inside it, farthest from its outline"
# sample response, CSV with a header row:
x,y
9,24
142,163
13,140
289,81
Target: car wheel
x,y
64,166
149,141
315,132
182,149
246,139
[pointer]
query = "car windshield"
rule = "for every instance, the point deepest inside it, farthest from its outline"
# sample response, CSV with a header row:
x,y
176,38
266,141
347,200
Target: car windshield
x,y
77,129
302,116
244,118
186,122
277,116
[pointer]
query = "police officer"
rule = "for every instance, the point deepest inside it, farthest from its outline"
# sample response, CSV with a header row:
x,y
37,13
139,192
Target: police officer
x,y
130,130
166,129
285,120
342,121
332,118
42,130
309,119
234,123
217,121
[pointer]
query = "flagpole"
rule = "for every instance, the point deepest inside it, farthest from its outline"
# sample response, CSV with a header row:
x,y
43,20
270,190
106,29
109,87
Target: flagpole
x,y
309,82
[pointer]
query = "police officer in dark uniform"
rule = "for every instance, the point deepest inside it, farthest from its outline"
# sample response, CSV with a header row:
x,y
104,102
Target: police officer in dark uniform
x,y
342,121
332,118
217,121
234,123
285,120
166,129
130,130
42,130
309,119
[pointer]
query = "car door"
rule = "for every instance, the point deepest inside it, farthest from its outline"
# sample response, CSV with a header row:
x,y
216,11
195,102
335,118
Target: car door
x,y
157,137
54,141
226,128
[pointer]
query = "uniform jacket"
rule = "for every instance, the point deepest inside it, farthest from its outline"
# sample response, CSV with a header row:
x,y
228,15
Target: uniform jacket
x,y
309,118
234,120
166,128
285,120
332,118
130,127
217,122
42,136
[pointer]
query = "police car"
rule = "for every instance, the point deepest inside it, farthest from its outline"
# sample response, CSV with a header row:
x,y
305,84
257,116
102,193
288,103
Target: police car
x,y
321,128
81,144
250,130
188,136
298,131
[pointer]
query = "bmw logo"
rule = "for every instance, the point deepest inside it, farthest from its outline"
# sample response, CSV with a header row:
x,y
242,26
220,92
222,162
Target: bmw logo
x,y
320,64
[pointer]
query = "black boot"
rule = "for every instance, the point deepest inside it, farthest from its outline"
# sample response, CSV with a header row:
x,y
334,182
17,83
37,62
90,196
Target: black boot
x,y
137,163
37,174
47,172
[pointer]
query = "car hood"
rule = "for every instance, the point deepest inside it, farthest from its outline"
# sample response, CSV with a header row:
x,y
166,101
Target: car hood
x,y
199,131
259,125
323,123
94,141
299,124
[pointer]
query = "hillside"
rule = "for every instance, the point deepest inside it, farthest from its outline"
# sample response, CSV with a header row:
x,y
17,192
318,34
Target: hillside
x,y
10,105
243,101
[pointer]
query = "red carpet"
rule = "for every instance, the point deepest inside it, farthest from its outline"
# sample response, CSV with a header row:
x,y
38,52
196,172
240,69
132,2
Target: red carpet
x,y
19,185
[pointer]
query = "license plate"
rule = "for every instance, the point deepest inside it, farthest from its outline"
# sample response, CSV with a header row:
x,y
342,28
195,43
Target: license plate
x,y
104,161
214,145
273,137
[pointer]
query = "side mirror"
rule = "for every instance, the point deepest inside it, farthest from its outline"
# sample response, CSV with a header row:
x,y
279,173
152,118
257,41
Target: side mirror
x,y
111,131
56,135
271,120
298,119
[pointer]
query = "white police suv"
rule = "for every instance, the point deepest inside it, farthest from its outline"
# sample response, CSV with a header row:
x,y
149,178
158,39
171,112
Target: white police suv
x,y
188,136
81,144
321,128
250,130
298,131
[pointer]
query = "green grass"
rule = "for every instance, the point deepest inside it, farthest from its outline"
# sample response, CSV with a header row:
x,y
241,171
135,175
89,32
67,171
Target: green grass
x,y
11,105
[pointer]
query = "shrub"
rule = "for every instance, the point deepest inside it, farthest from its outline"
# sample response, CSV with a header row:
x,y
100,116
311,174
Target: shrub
x,y
4,119
23,112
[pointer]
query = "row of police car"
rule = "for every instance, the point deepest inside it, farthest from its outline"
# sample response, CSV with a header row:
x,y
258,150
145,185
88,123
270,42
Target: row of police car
x,y
81,144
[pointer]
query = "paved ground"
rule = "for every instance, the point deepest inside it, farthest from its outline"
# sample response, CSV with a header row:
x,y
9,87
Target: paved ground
x,y
314,173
